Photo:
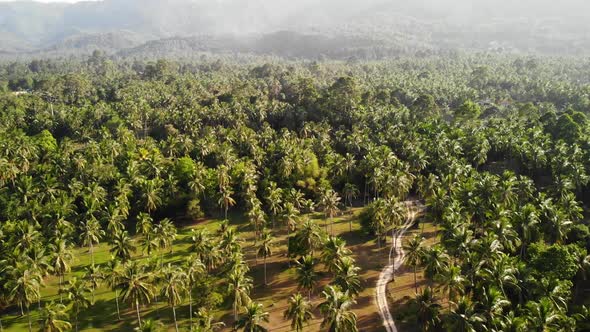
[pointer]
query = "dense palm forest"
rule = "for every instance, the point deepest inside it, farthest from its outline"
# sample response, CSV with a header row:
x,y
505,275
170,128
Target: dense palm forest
x,y
147,193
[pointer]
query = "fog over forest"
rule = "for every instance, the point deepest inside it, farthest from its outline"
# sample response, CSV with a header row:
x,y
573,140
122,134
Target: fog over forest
x,y
340,27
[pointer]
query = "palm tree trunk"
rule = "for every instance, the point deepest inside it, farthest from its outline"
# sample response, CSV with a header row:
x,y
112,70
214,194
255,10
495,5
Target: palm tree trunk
x,y
29,315
235,311
415,280
1,327
138,315
175,321
61,281
91,249
117,302
76,321
265,283
190,307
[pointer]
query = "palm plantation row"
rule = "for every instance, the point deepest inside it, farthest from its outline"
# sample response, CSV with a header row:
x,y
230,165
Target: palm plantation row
x,y
123,154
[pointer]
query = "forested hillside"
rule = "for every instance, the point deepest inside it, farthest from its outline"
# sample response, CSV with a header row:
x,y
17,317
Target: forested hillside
x,y
31,29
265,194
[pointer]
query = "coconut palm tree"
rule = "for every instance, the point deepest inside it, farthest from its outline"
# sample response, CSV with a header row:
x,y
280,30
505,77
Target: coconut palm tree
x,y
265,248
329,202
527,219
61,258
463,318
311,235
226,200
336,310
290,216
111,275
253,318
206,323
414,254
434,261
451,281
24,288
426,309
239,286
274,200
53,315
136,287
299,311
350,193
306,275
121,246
195,270
175,288
91,235
347,276
77,294
542,316
92,275
145,224
334,251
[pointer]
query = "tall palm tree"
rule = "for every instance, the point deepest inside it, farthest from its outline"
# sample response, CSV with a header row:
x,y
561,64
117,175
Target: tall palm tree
x,y
527,219
77,293
414,254
145,224
542,316
426,309
239,286
195,270
307,278
334,251
310,235
93,275
206,323
463,318
24,288
434,261
111,275
91,235
253,318
226,200
336,310
265,249
274,200
135,285
61,258
451,281
290,216
347,276
53,315
329,202
174,288
121,246
299,311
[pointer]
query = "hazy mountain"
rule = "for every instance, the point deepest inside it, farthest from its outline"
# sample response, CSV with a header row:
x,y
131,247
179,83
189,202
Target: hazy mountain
x,y
117,25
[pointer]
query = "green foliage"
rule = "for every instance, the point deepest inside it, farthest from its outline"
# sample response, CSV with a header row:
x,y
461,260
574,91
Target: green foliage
x,y
468,111
555,261
46,142
184,168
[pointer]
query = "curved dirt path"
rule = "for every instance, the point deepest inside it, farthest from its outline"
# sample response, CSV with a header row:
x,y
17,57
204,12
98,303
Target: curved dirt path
x,y
388,272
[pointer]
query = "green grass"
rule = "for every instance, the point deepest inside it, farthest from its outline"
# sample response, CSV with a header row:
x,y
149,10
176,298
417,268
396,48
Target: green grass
x,y
102,315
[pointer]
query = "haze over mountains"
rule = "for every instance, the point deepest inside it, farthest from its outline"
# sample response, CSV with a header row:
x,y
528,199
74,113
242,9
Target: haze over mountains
x,y
304,28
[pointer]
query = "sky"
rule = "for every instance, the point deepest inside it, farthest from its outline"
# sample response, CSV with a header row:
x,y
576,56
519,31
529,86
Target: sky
x,y
48,1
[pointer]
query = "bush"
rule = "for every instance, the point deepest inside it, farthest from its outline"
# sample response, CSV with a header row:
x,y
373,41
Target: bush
x,y
193,209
